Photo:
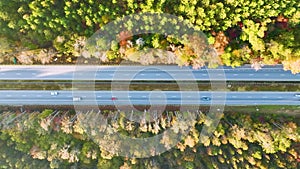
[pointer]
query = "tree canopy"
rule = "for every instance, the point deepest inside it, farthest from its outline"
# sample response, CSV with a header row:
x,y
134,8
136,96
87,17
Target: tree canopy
x,y
243,31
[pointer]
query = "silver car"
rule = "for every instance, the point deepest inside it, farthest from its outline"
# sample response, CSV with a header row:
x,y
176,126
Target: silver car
x,y
76,99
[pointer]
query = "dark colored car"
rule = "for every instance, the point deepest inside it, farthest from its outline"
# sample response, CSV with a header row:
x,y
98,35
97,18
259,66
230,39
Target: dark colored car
x,y
205,98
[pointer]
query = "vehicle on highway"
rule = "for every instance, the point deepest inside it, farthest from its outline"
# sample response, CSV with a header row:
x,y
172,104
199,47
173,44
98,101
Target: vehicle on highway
x,y
54,93
114,98
205,98
297,95
76,99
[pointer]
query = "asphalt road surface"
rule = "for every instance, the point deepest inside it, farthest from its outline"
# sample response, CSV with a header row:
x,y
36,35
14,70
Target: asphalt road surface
x,y
149,73
26,97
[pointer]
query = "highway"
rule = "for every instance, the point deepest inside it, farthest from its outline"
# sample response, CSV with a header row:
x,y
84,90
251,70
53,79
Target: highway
x,y
144,73
35,97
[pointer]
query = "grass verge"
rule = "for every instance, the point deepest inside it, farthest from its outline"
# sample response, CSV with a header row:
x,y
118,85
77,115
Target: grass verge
x,y
148,86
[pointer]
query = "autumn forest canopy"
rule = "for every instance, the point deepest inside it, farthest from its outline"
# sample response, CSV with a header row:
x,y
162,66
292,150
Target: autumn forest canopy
x,y
239,32
62,139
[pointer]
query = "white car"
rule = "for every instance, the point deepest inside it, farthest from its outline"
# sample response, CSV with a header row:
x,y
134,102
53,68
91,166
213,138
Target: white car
x,y
54,93
76,99
297,95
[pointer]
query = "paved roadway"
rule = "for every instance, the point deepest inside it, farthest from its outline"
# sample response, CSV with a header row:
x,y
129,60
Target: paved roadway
x,y
26,97
149,73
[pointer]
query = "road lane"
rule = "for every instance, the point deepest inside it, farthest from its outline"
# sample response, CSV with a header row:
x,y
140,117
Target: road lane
x,y
149,73
25,97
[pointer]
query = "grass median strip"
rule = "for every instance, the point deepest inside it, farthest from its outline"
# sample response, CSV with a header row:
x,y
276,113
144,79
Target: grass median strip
x,y
146,86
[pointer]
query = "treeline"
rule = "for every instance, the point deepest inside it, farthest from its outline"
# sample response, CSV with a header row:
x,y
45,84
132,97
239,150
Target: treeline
x,y
244,31
60,139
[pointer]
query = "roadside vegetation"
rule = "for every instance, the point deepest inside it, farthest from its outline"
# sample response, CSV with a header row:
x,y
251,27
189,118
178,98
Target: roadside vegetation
x,y
240,32
57,139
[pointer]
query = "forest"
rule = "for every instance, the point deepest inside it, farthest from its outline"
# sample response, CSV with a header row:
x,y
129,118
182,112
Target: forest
x,y
259,32
233,33
61,139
